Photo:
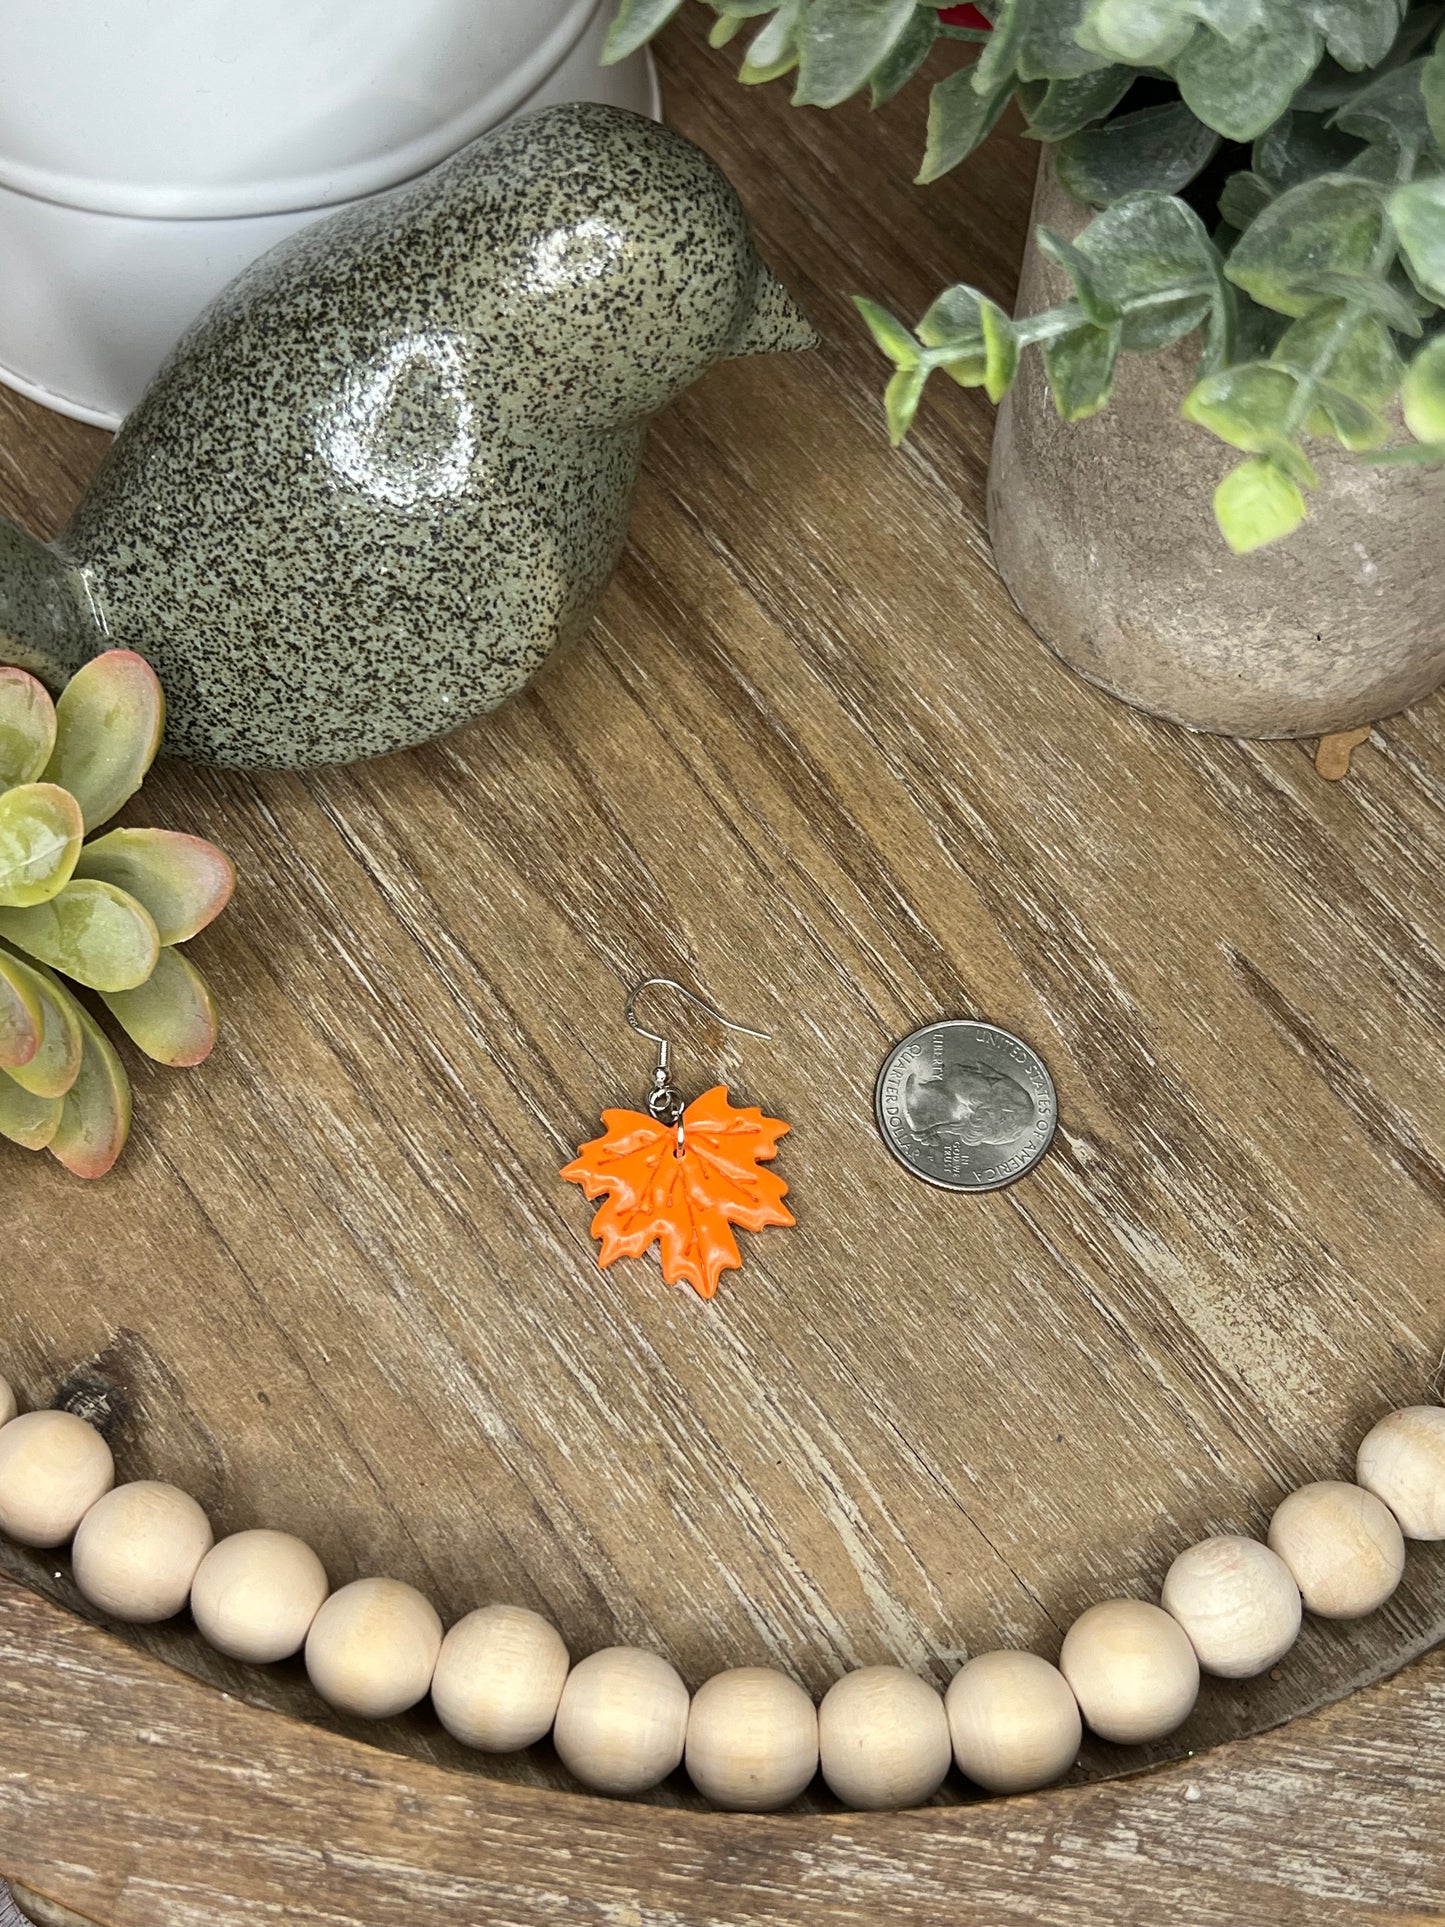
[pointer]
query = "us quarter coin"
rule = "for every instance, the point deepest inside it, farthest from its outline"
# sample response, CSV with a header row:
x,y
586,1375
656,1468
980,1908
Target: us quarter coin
x,y
966,1106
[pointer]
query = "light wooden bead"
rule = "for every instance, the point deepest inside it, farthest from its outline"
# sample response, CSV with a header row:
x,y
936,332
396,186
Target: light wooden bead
x,y
1237,1601
1402,1461
499,1678
1014,1721
8,1405
373,1648
1343,1545
1132,1669
883,1739
137,1550
752,1739
53,1468
256,1594
622,1720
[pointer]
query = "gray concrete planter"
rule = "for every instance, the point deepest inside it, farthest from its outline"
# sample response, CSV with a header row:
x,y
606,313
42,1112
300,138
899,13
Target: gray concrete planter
x,y
1104,534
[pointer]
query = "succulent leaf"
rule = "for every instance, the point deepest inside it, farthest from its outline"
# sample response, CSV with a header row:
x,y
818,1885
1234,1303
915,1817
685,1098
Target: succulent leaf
x,y
27,1120
91,931
960,119
1358,33
1068,106
1355,353
110,717
908,54
183,881
40,832
171,1016
95,1111
27,727
637,21
56,1064
22,1021
1081,366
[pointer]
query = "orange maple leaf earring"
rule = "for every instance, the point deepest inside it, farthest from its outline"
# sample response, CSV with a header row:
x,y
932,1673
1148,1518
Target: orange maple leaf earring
x,y
681,1176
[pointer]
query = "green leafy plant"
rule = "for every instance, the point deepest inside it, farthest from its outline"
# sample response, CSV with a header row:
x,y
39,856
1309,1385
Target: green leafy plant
x,y
107,912
1268,172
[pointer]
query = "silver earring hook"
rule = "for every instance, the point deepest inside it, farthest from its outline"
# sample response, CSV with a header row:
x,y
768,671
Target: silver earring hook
x,y
664,1101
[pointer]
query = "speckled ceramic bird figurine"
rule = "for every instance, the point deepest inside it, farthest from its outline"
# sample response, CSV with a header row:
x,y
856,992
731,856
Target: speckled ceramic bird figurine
x,y
389,469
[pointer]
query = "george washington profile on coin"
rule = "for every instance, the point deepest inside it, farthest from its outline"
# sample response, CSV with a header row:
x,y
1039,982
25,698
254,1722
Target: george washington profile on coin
x,y
971,1103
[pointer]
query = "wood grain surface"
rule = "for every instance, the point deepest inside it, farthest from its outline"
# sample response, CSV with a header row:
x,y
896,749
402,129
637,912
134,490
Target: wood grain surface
x,y
201,1810
810,760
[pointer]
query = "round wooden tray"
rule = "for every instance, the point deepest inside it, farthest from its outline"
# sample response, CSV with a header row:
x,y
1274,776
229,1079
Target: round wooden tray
x,y
810,760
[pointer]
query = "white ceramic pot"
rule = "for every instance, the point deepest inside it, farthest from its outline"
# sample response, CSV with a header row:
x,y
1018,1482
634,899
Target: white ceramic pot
x,y
148,152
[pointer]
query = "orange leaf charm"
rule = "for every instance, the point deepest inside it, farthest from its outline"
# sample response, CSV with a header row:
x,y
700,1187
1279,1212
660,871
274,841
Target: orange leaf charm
x,y
686,1204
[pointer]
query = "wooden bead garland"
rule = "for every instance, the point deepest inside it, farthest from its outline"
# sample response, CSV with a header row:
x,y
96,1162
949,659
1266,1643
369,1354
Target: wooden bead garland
x,y
622,1720
1343,1545
137,1550
752,1740
372,1648
1014,1721
883,1739
255,1595
1402,1461
1237,1601
53,1468
499,1678
1132,1669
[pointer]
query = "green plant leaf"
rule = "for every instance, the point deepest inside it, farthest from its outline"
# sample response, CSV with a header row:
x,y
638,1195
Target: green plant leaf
x,y
91,932
1397,308
1001,350
40,832
1067,106
842,42
1156,147
1238,87
1154,33
1390,113
1051,48
1081,367
954,322
1358,33
889,332
109,721
1352,422
959,120
910,50
1355,354
183,881
1422,394
95,1111
56,1065
1243,198
21,1019
1418,211
1332,225
1247,406
1153,251
1432,92
1300,146
773,50
900,401
725,28
636,22
1257,503
1409,454
171,1017
1099,308
27,727
27,1120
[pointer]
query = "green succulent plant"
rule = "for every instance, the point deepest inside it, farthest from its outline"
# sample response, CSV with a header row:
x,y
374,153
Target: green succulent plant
x,y
1269,172
107,912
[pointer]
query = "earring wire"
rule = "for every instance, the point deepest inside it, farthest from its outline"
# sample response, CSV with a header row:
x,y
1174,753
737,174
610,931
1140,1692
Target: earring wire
x,y
664,1102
